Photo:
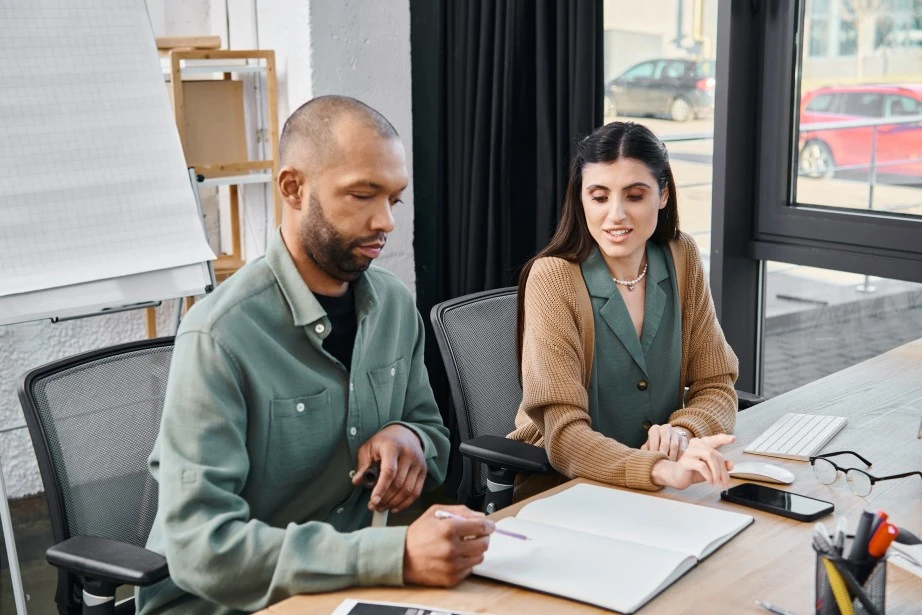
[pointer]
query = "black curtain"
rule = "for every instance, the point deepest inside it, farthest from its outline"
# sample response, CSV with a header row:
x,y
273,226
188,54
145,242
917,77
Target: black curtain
x,y
502,91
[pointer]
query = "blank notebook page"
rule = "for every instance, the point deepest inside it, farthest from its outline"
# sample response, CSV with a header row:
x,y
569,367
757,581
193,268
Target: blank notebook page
x,y
93,181
621,576
636,517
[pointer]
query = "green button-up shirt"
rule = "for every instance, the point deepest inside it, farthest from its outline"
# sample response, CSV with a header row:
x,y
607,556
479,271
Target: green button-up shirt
x,y
634,380
259,437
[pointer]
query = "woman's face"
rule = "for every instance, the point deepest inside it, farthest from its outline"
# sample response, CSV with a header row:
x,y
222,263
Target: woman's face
x,y
621,201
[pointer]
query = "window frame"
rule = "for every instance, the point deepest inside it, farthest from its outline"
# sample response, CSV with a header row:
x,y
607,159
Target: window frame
x,y
758,43
859,241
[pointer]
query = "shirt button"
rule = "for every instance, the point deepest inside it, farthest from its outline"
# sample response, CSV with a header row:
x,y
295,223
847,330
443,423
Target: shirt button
x,y
351,386
320,328
641,385
351,473
339,511
353,431
300,407
393,371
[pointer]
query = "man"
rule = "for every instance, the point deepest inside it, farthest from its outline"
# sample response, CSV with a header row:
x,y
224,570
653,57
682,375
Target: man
x,y
296,375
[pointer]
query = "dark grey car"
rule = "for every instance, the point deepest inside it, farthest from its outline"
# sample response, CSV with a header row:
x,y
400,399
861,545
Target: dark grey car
x,y
676,89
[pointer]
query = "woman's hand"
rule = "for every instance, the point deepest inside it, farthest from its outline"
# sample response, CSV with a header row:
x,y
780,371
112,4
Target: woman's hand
x,y
700,463
667,439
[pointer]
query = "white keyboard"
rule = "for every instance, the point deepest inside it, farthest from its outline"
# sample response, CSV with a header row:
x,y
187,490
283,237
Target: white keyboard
x,y
797,436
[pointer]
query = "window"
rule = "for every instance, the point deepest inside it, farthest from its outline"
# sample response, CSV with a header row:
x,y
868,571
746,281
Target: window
x,y
704,69
820,321
673,70
833,264
675,43
640,71
821,103
864,105
900,106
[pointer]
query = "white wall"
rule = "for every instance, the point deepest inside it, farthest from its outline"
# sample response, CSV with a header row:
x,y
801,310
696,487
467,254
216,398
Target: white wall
x,y
360,48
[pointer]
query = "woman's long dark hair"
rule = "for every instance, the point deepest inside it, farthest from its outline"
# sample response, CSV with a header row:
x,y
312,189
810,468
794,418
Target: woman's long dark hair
x,y
572,240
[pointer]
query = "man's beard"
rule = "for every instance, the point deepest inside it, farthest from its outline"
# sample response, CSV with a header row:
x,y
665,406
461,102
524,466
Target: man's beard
x,y
333,252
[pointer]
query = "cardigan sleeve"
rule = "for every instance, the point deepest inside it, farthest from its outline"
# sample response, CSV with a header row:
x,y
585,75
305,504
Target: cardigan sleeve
x,y
710,365
554,411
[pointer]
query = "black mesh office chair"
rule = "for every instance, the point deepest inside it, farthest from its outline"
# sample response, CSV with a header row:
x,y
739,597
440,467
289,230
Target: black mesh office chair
x,y
93,419
476,338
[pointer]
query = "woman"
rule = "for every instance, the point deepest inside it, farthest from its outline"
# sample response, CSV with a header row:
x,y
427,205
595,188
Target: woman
x,y
615,321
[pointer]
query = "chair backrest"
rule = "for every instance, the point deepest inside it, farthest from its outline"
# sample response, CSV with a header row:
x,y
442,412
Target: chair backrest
x,y
93,419
476,337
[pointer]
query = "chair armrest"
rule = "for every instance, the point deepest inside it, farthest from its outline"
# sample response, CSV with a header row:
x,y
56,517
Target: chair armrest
x,y
748,400
506,453
109,561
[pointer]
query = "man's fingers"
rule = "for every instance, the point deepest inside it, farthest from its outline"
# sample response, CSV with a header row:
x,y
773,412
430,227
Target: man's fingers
x,y
472,547
385,477
456,509
420,482
407,494
364,460
472,527
395,492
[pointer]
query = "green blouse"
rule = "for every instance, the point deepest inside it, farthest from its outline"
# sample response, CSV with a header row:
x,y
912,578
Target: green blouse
x,y
634,382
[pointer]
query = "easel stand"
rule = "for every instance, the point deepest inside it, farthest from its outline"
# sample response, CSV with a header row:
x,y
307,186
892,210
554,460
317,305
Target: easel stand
x,y
5,517
19,596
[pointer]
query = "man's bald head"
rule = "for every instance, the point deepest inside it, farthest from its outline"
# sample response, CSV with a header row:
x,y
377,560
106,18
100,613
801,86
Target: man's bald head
x,y
309,139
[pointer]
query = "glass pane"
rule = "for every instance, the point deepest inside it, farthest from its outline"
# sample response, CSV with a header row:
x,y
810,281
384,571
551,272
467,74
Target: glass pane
x,y
859,142
819,321
659,71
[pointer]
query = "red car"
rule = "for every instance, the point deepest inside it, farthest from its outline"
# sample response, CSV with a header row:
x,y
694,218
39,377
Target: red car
x,y
899,146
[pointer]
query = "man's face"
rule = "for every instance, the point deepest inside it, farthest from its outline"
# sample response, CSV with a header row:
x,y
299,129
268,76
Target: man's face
x,y
348,213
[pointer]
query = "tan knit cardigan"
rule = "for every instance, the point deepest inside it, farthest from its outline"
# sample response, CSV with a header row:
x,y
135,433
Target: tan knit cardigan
x,y
557,363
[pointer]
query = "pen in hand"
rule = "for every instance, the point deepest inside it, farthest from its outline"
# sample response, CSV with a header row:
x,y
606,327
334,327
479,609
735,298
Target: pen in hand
x,y
444,514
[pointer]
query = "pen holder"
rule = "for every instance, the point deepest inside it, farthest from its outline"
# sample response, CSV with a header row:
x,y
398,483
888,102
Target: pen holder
x,y
866,598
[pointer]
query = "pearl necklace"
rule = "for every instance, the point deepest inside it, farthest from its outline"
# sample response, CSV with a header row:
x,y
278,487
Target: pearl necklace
x,y
631,283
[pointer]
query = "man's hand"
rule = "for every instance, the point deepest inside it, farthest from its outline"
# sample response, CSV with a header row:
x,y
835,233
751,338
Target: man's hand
x,y
442,552
403,468
668,439
700,463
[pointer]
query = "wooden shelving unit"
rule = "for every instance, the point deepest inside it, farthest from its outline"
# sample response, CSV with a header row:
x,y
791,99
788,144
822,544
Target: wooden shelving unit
x,y
209,116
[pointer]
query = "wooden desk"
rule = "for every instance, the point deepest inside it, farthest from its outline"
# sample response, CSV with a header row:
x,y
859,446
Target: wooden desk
x,y
771,560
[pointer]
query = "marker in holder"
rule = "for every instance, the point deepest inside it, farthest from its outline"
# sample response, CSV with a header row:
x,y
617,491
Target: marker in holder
x,y
838,591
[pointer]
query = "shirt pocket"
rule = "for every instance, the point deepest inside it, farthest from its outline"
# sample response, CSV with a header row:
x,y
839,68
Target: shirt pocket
x,y
300,438
389,385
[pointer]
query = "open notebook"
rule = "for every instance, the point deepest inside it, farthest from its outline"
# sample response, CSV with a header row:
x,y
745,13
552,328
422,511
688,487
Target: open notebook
x,y
612,548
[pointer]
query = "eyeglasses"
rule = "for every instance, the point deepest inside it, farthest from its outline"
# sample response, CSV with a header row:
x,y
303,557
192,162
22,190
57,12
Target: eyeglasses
x,y
859,481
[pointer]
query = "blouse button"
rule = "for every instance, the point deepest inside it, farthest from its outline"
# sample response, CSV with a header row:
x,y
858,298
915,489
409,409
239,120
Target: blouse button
x,y
320,328
300,407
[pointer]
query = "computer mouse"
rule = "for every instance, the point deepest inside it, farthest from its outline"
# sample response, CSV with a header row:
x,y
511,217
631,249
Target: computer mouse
x,y
765,472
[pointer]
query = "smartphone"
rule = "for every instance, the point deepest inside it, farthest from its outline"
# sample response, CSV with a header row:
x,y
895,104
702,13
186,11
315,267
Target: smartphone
x,y
776,501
